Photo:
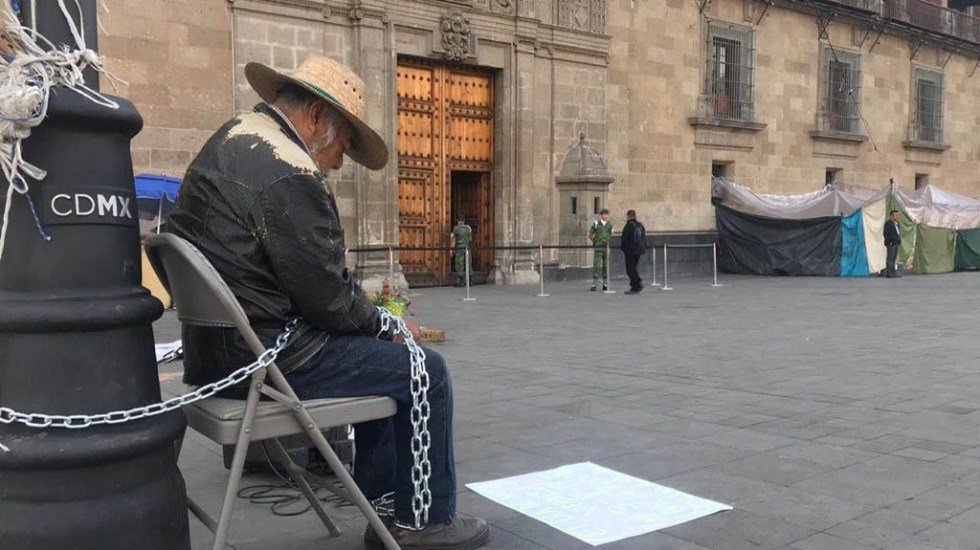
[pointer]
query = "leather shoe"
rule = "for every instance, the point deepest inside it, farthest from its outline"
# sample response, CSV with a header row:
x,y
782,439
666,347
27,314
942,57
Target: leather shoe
x,y
453,534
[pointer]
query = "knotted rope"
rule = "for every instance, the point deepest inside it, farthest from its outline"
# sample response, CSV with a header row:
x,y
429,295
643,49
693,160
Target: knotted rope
x,y
30,65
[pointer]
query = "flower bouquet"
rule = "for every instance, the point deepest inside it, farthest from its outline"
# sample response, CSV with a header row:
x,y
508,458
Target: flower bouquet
x,y
392,299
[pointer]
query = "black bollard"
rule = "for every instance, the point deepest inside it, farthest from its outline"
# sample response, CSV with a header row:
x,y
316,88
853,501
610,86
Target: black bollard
x,y
76,338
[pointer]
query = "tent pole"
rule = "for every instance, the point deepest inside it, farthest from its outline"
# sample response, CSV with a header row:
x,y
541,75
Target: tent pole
x,y
160,214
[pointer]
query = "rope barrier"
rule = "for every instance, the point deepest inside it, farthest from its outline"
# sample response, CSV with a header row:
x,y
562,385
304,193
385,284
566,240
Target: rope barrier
x,y
535,248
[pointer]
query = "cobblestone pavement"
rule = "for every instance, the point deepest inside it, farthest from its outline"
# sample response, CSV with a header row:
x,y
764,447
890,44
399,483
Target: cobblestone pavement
x,y
832,414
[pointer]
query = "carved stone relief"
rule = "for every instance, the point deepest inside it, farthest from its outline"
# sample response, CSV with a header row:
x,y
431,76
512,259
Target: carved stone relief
x,y
503,7
456,36
586,15
525,8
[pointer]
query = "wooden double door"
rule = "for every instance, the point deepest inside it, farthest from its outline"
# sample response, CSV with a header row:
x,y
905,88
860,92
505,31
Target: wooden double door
x,y
445,166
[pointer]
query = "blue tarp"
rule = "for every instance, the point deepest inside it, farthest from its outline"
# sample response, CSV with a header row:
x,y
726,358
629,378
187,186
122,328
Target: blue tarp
x,y
156,196
854,256
152,186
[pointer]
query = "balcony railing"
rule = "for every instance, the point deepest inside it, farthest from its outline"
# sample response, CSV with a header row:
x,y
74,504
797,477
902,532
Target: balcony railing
x,y
866,5
932,17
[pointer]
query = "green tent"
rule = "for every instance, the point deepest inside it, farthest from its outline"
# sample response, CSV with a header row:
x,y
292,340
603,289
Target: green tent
x,y
968,249
906,227
935,249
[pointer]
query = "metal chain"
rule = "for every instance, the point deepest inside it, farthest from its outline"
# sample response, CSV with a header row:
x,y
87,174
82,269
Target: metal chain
x,y
421,440
78,421
421,467
172,356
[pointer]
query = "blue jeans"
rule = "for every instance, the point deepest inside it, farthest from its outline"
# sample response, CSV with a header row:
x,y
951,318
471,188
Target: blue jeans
x,y
354,366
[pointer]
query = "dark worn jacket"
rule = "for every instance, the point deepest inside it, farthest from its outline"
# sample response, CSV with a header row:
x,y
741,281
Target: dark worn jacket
x,y
892,236
631,241
254,202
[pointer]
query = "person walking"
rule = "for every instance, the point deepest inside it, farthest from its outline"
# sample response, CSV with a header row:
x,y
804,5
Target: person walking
x,y
893,239
633,244
599,235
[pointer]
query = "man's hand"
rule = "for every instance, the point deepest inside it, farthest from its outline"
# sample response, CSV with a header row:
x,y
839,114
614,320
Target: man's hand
x,y
413,327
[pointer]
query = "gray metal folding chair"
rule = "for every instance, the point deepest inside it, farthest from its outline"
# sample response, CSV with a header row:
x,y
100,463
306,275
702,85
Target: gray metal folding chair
x,y
202,298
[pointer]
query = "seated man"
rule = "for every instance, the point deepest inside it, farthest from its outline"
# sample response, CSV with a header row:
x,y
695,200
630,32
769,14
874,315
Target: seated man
x,y
255,201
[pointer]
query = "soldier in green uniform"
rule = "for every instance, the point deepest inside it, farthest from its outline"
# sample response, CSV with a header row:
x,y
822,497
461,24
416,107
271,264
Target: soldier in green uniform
x,y
460,240
599,234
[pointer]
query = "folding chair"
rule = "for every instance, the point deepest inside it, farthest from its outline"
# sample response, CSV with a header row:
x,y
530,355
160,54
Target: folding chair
x,y
202,298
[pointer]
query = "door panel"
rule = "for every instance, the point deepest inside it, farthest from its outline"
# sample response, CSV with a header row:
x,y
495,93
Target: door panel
x,y
445,124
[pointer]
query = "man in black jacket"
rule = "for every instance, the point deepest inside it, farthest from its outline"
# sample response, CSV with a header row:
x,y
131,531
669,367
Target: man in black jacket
x,y
633,246
256,202
893,238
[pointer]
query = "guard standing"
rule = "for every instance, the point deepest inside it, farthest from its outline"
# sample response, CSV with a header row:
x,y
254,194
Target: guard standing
x,y
599,234
460,239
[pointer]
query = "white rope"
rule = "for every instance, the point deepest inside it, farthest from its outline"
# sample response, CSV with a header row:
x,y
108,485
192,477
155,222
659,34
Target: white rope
x,y
27,75
6,217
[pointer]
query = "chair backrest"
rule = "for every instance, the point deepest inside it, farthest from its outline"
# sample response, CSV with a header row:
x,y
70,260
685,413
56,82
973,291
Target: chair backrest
x,y
200,295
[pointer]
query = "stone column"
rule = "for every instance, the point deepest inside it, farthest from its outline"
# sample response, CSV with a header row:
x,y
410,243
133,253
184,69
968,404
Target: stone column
x,y
374,59
523,269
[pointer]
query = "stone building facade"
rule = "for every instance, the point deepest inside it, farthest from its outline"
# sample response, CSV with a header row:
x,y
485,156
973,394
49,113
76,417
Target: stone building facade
x,y
782,96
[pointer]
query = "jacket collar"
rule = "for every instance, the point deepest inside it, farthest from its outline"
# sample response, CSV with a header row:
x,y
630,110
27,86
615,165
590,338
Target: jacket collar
x,y
284,124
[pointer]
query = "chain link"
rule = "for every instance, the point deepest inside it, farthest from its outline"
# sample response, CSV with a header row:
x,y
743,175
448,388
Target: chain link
x,y
421,467
421,440
79,421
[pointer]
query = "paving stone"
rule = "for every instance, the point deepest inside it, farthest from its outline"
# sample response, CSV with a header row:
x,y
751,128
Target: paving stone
x,y
921,454
823,541
770,468
882,528
969,518
740,530
806,508
947,537
824,443
939,504
882,481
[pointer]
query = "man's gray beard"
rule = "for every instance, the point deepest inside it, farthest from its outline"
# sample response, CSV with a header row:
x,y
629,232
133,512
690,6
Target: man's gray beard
x,y
318,146
321,144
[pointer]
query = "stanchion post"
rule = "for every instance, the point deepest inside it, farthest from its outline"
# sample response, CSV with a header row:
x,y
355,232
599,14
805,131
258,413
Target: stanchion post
x,y
665,287
468,298
608,284
714,263
653,260
541,293
391,265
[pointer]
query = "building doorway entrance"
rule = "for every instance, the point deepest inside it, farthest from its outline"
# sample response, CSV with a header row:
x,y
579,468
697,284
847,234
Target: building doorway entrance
x,y
445,166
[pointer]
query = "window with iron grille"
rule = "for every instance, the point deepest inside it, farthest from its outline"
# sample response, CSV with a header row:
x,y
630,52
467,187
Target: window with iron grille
x,y
928,106
842,91
729,74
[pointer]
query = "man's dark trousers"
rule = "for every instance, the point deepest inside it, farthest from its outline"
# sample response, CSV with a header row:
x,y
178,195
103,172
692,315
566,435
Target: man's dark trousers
x,y
631,262
355,366
891,258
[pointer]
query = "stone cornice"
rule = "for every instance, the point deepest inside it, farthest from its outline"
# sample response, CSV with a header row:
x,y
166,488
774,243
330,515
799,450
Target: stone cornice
x,y
722,123
547,40
842,137
926,146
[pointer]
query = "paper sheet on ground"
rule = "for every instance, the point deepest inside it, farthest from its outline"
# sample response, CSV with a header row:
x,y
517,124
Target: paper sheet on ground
x,y
163,349
595,504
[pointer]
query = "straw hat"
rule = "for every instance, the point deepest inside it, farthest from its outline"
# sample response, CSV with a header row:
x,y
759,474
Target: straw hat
x,y
336,84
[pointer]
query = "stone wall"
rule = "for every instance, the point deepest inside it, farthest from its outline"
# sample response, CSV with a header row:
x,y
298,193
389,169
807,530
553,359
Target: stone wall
x,y
282,41
627,73
663,162
176,59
